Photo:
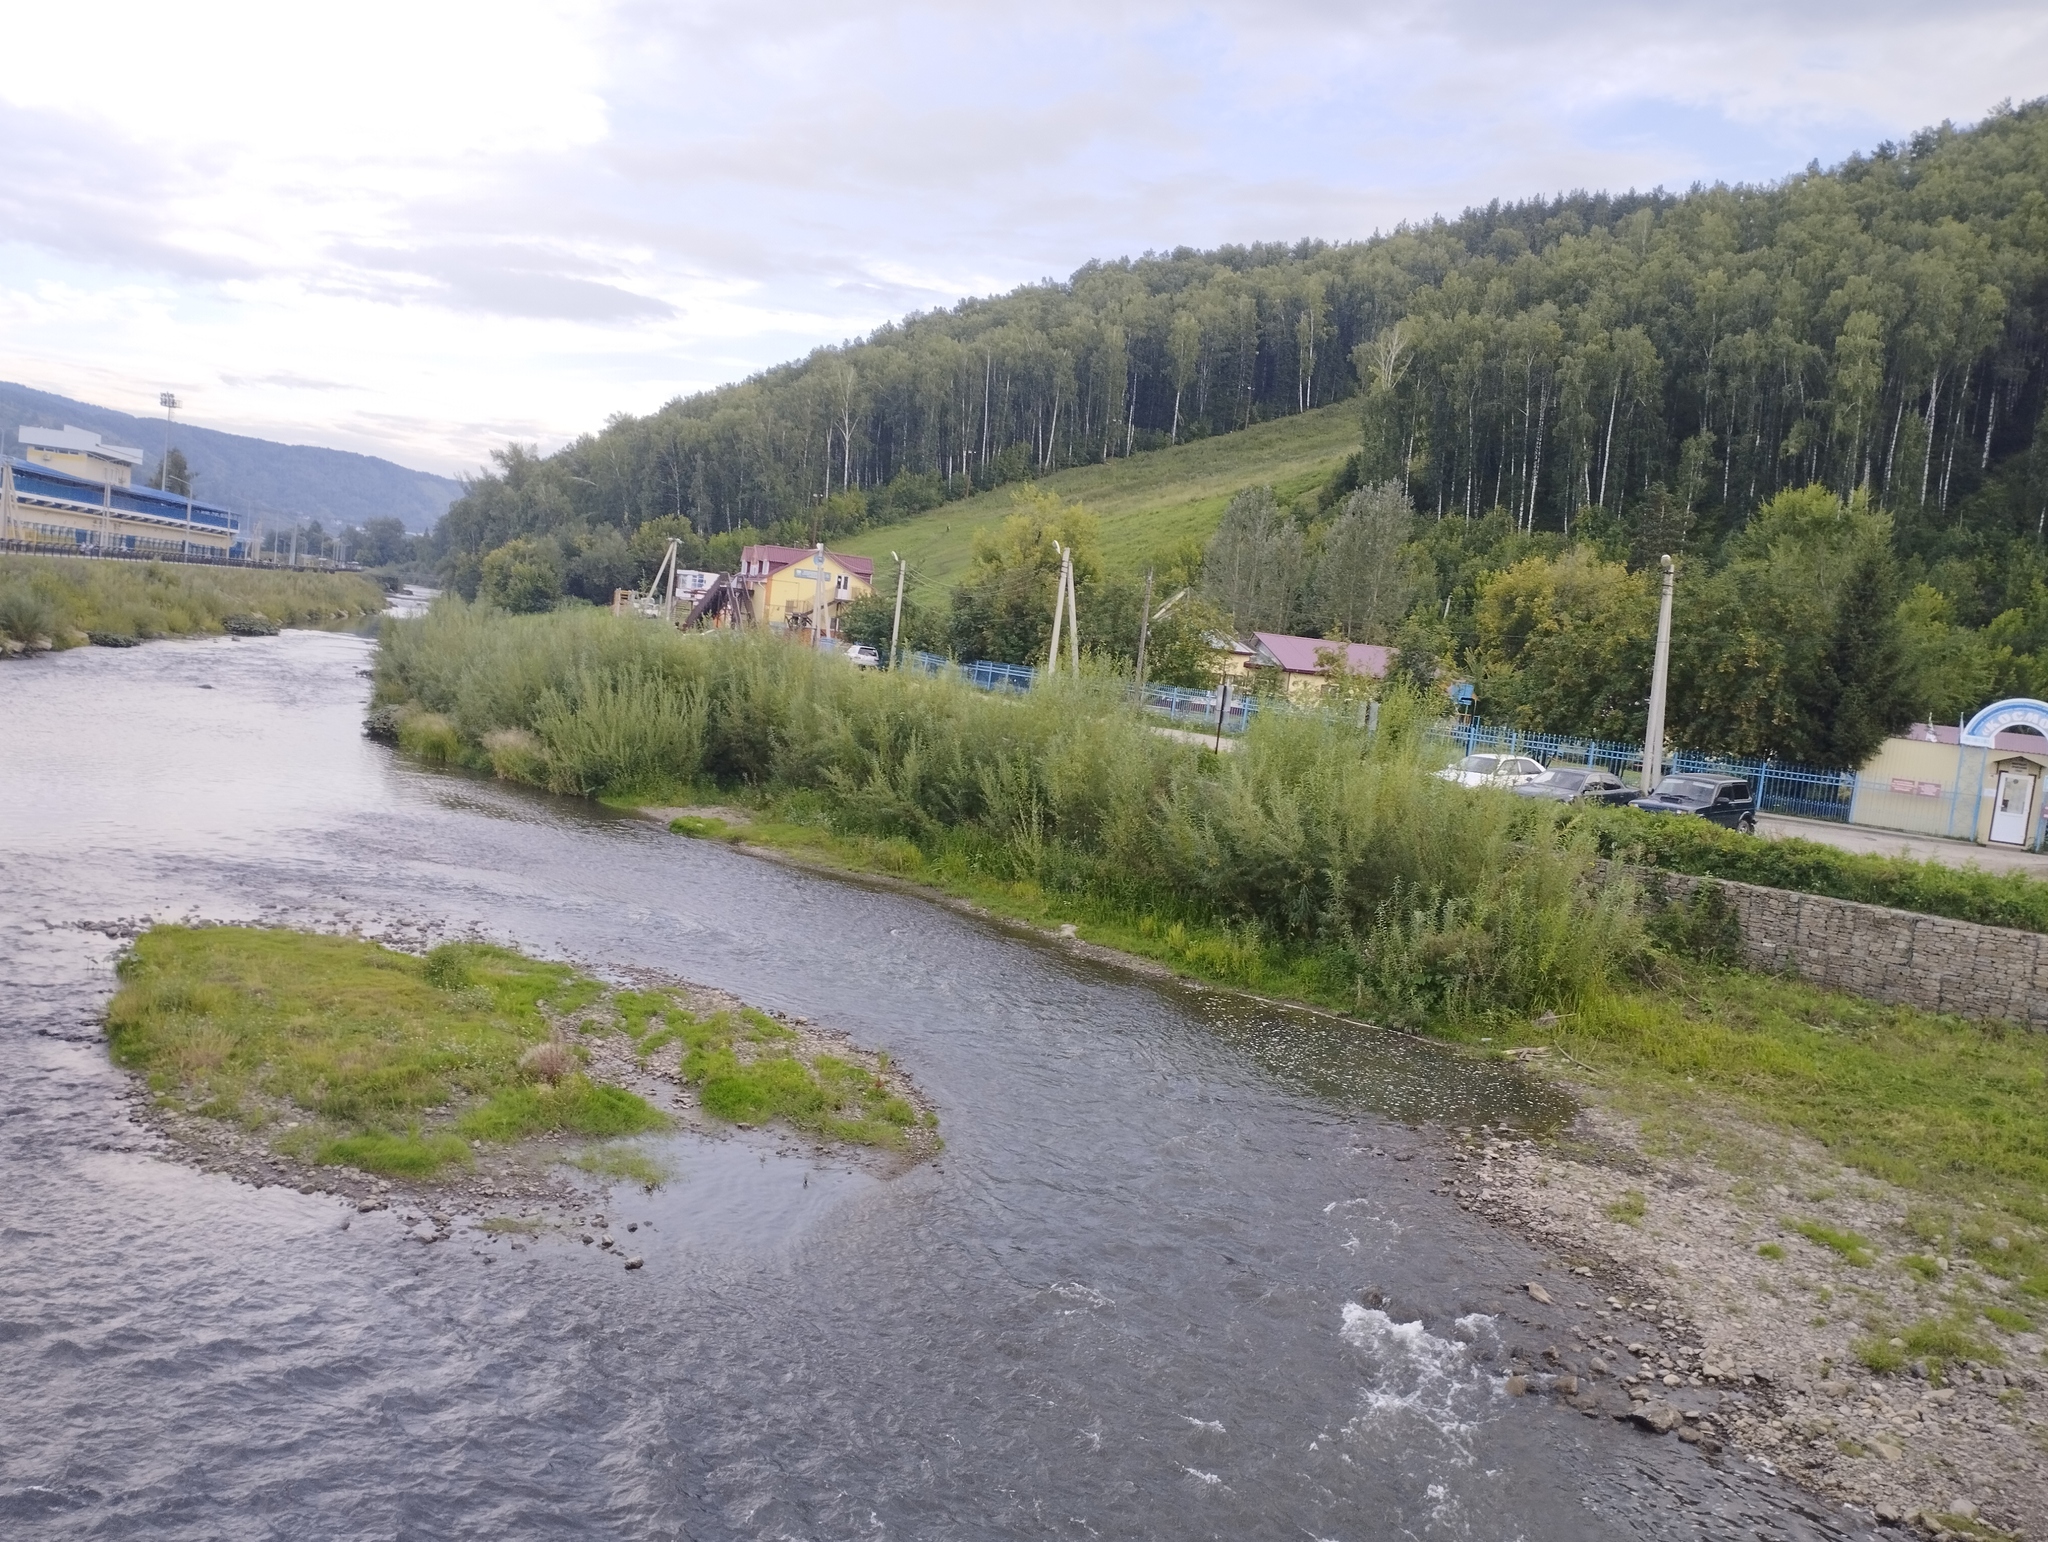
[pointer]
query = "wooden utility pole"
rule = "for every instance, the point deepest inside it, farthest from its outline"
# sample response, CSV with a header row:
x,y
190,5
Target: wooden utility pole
x,y
896,622
1145,618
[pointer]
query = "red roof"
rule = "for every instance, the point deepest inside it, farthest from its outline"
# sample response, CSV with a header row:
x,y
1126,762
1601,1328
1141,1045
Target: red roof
x,y
1298,655
779,557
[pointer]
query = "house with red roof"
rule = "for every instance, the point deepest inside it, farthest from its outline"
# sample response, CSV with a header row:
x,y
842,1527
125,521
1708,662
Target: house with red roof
x,y
789,586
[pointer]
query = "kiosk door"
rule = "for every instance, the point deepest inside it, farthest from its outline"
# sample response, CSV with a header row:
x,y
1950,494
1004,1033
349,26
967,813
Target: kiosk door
x,y
2015,802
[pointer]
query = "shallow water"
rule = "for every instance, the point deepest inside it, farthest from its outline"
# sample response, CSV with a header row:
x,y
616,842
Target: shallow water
x,y
1166,1280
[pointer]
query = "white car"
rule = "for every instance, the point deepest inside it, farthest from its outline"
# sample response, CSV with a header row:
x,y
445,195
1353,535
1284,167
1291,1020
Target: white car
x,y
1493,771
863,655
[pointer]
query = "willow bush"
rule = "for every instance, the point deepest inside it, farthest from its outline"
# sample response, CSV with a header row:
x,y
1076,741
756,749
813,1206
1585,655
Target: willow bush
x,y
1314,838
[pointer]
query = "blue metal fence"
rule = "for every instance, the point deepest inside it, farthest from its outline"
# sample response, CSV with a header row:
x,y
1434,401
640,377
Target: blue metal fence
x,y
1779,788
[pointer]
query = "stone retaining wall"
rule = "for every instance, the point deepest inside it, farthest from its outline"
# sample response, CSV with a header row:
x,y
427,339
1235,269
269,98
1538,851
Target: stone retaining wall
x,y
1886,955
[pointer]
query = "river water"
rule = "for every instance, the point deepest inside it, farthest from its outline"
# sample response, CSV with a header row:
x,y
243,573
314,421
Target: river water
x,y
1167,1280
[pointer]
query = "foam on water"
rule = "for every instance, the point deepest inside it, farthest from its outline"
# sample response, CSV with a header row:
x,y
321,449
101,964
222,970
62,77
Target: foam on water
x,y
1417,1377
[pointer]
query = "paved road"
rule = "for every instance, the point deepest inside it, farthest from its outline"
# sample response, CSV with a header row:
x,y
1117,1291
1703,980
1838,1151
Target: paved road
x,y
1890,843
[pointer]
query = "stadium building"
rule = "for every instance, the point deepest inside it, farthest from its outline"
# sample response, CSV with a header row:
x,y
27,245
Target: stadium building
x,y
68,489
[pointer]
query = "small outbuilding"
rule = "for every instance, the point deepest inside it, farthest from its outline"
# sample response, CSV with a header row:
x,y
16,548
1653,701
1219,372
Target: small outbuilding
x,y
1980,780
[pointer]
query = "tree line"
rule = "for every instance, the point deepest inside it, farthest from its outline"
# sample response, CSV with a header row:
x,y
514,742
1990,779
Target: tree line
x,y
1580,383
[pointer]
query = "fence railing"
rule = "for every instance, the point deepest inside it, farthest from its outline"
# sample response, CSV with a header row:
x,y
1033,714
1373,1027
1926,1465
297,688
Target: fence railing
x,y
1801,791
1779,788
196,555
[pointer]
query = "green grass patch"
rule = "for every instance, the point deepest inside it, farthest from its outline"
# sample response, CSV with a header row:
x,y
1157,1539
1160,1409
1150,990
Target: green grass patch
x,y
1923,1266
574,1106
1629,1209
1846,1245
408,1155
1940,1341
2008,1319
1771,1250
700,826
351,1053
747,1071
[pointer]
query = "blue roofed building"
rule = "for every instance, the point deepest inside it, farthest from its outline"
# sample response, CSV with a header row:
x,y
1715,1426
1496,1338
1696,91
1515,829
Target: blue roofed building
x,y
70,491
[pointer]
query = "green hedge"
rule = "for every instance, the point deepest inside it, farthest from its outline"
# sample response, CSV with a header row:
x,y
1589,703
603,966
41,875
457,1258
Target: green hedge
x,y
1694,846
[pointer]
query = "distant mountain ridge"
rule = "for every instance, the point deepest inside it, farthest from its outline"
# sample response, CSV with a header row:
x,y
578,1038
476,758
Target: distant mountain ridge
x,y
272,482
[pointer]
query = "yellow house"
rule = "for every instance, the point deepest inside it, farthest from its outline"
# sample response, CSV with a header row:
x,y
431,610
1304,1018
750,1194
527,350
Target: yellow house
x,y
1979,781
81,452
789,585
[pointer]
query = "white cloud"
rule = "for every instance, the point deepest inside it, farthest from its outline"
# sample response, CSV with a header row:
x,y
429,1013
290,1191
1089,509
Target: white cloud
x,y
426,228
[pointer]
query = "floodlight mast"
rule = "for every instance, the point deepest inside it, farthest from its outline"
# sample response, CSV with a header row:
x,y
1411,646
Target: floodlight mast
x,y
168,400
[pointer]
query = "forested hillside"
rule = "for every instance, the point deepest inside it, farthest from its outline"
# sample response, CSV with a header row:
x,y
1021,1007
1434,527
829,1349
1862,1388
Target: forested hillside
x,y
1562,389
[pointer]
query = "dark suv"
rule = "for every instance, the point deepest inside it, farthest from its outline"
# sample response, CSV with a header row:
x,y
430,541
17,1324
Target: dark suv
x,y
1725,800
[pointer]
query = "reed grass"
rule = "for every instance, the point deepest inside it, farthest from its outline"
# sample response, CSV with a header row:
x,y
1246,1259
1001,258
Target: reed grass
x,y
1316,846
59,600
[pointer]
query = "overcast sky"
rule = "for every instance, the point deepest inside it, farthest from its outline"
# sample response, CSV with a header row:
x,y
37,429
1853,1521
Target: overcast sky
x,y
423,229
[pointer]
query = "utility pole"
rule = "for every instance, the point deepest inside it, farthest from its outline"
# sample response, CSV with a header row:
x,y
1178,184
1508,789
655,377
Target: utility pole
x,y
1073,620
1222,706
1660,680
896,623
1059,611
1144,627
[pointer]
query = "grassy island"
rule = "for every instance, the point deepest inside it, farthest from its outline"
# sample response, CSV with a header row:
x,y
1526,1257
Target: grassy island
x,y
64,602
334,1051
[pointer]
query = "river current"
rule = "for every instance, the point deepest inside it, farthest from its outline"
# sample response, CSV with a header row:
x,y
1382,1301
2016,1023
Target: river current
x,y
1168,1279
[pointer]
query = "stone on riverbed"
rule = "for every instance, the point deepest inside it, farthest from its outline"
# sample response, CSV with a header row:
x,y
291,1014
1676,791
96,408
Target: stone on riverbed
x,y
1659,1416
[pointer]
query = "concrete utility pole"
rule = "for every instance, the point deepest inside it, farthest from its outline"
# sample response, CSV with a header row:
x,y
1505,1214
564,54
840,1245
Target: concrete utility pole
x,y
1660,681
169,403
1059,611
896,622
819,577
1144,628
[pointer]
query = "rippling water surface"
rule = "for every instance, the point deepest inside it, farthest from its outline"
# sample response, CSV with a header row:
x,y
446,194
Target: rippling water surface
x,y
1160,1284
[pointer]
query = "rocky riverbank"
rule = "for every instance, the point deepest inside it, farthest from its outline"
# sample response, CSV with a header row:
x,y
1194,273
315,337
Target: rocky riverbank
x,y
1768,1288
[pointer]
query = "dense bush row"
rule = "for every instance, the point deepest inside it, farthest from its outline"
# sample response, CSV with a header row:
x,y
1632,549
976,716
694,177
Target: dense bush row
x,y
1398,889
1694,846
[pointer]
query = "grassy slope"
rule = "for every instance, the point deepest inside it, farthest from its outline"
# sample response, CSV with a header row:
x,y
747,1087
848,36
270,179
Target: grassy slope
x,y
1146,503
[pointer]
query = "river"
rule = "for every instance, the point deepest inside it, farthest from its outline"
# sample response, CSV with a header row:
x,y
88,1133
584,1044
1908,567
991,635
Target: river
x,y
1169,1278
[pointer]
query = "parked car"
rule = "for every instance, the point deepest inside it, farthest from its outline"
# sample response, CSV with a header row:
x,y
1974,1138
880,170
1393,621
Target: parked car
x,y
1493,771
1578,784
863,655
1724,800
